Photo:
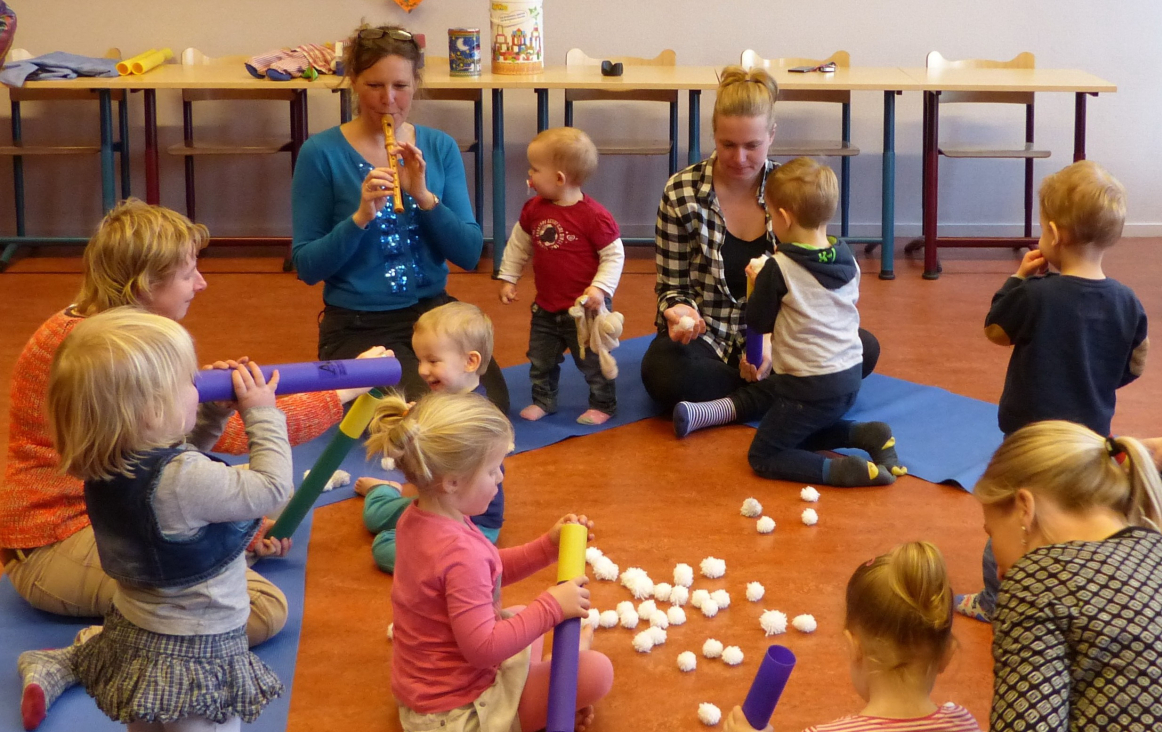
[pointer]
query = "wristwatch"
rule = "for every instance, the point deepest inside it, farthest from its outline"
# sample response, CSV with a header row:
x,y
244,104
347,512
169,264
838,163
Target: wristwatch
x,y
435,202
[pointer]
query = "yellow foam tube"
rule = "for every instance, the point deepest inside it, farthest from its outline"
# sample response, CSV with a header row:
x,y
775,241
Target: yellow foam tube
x,y
571,552
151,61
125,68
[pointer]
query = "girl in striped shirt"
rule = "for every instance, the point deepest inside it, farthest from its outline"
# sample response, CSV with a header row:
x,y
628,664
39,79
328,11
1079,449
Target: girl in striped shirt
x,y
899,638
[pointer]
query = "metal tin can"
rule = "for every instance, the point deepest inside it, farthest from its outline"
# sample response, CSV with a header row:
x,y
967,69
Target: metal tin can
x,y
464,51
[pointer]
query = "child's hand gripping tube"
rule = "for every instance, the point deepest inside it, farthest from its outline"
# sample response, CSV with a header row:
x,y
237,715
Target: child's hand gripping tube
x,y
768,685
350,430
567,636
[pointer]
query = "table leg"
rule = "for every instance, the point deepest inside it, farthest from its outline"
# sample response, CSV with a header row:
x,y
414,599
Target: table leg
x,y
498,224
932,169
888,194
542,110
108,181
695,126
1079,126
152,185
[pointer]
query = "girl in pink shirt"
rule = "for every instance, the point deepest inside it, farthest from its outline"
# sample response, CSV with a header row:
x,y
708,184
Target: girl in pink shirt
x,y
459,661
899,638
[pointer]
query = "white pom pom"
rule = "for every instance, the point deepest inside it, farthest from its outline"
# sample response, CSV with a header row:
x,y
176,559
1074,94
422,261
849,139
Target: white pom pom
x,y
712,648
592,618
641,587
687,661
732,655
605,569
646,609
628,620
630,574
683,575
809,494
713,567
765,525
643,642
755,591
592,554
625,606
608,619
709,607
391,631
709,714
773,622
751,508
721,599
698,597
662,591
679,596
676,615
810,517
686,323
388,464
805,623
657,634
338,479
659,619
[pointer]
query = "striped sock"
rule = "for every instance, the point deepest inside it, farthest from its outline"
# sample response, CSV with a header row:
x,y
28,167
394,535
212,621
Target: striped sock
x,y
691,416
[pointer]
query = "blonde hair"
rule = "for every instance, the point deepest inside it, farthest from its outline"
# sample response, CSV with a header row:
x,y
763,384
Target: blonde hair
x,y
745,93
136,248
1078,469
806,189
443,435
569,150
464,324
113,387
900,604
1086,202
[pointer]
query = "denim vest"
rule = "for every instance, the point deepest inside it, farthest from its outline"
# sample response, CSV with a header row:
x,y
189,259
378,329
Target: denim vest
x,y
130,543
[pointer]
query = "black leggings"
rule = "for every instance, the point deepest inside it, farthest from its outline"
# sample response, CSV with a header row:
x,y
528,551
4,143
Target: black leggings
x,y
347,333
675,373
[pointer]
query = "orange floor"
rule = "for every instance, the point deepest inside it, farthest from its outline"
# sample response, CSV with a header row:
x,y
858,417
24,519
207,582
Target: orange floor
x,y
656,500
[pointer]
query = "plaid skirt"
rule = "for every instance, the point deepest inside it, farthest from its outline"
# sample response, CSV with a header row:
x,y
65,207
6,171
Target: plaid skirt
x,y
136,675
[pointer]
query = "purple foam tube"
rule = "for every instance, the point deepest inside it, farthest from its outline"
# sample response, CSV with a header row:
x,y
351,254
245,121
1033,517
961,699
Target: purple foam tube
x,y
215,385
754,347
768,685
562,712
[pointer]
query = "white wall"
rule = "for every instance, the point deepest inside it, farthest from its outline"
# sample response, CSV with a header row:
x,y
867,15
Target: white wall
x,y
250,196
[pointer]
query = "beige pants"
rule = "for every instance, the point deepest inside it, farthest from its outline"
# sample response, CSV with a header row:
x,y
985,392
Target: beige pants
x,y
495,710
66,578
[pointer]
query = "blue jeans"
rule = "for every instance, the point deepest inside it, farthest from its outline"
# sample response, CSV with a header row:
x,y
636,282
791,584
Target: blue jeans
x,y
788,436
550,335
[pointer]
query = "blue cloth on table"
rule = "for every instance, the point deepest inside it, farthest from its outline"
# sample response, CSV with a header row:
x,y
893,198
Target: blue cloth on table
x,y
56,65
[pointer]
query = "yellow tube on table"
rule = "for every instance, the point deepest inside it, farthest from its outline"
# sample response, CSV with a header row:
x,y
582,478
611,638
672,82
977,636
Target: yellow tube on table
x,y
151,61
571,552
125,68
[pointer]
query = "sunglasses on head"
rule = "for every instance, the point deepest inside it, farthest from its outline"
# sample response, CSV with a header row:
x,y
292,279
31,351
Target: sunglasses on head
x,y
396,34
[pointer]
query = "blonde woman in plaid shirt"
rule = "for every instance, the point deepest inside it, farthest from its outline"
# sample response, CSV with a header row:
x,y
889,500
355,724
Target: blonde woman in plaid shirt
x,y
711,222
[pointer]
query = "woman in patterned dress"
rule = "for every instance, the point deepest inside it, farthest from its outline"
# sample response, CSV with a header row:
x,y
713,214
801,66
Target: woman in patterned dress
x,y
1077,633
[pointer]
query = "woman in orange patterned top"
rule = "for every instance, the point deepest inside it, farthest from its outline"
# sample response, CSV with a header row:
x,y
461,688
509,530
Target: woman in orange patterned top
x,y
146,256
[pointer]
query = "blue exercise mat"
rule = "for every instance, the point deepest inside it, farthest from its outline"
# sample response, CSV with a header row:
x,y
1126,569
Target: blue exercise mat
x,y
940,436
22,628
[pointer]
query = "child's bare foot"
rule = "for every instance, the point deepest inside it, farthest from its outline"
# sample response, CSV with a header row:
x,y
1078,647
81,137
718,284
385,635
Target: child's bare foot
x,y
586,638
364,485
593,417
583,720
532,413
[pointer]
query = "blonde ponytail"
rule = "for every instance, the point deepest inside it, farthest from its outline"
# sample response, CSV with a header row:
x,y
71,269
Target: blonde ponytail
x,y
746,93
1078,469
442,435
900,603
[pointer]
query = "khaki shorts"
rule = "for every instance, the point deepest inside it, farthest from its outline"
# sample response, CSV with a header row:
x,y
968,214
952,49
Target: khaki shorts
x,y
493,711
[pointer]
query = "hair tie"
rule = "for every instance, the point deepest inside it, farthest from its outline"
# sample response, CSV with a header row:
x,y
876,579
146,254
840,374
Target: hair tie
x,y
1116,451
404,413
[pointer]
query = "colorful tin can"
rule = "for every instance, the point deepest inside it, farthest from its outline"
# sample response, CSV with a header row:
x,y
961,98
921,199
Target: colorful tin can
x,y
464,51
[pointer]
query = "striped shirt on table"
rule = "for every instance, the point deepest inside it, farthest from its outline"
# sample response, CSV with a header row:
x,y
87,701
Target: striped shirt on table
x,y
948,718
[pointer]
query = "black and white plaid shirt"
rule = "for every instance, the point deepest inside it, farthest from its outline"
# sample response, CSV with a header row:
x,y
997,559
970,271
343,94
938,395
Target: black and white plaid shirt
x,y
689,237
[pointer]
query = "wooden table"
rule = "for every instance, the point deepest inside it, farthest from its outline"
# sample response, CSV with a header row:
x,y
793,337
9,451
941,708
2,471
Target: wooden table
x,y
1080,83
